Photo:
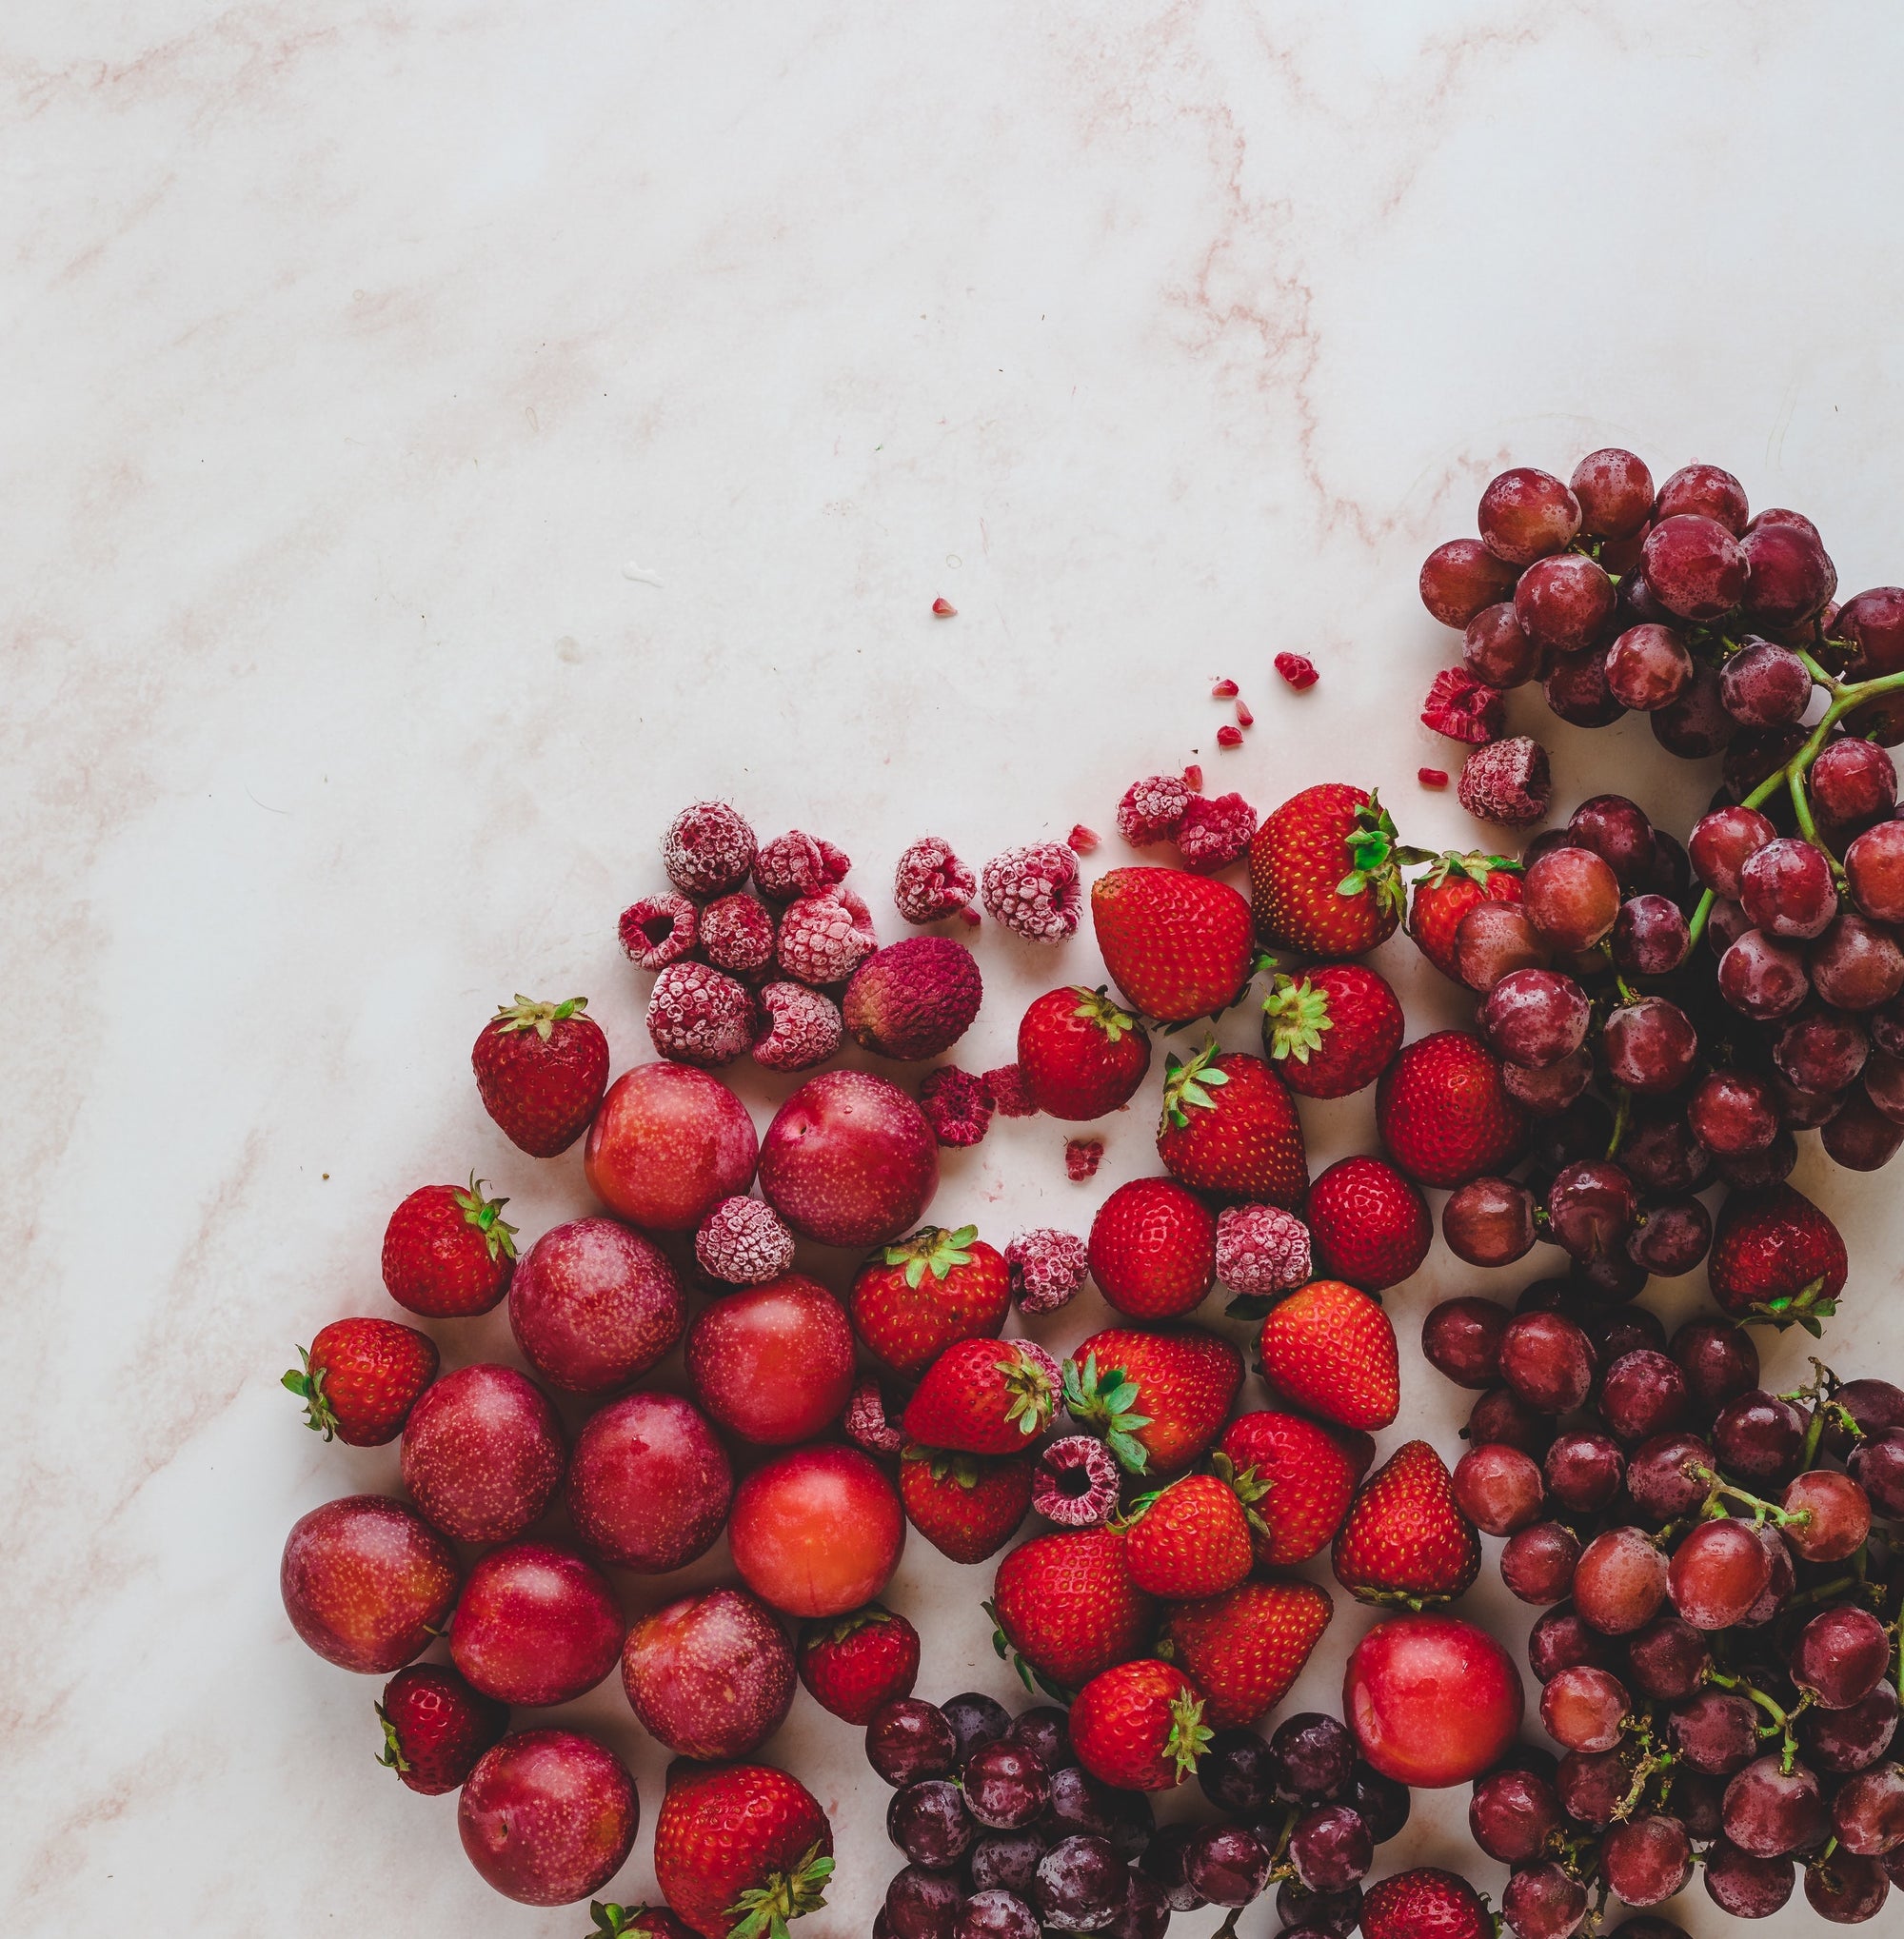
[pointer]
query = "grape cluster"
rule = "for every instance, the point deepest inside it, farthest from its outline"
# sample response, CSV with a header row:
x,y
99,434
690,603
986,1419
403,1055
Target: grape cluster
x,y
1720,1573
1006,1837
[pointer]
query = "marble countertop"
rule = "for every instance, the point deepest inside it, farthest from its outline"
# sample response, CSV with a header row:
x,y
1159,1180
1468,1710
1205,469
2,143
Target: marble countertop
x,y
445,439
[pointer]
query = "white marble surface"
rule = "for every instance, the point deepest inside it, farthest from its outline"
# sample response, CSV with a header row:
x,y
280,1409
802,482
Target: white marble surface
x,y
353,352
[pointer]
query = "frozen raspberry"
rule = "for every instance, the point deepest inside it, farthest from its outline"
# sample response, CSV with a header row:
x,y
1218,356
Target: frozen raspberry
x,y
1298,669
743,1242
1507,782
1151,809
912,999
1261,1249
707,849
1011,1091
1076,1482
836,861
736,933
1047,1268
790,866
804,1027
1083,840
1082,1156
871,1420
1214,830
1464,708
658,930
957,1106
697,1016
824,939
931,882
1034,891
1229,737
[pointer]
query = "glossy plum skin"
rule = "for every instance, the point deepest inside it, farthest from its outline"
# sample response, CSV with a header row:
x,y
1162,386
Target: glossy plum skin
x,y
365,1582
536,1625
712,1677
817,1531
669,1142
849,1160
594,1305
483,1453
650,1483
1432,1700
548,1817
774,1364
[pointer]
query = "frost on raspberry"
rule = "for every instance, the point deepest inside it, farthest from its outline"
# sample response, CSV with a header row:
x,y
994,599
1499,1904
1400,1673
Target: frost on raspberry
x,y
1151,809
1047,1268
1034,891
736,933
1214,830
803,1028
708,849
698,1016
1082,1156
1463,707
871,1420
658,930
1507,782
931,882
1076,1482
957,1106
789,866
824,939
1011,1091
1262,1250
743,1242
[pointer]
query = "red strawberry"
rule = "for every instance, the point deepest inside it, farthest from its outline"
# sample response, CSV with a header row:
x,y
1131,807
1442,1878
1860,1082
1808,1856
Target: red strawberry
x,y
541,1069
965,1506
1177,944
1159,1398
447,1253
853,1664
1776,1256
1322,873
435,1727
1189,1539
918,1297
1367,1224
1406,1540
1448,891
984,1398
1140,1726
1444,1113
1081,1053
1298,1479
1331,1349
636,1922
741,1849
1425,1903
360,1378
1153,1249
1230,1128
1331,1030
1245,1648
1066,1606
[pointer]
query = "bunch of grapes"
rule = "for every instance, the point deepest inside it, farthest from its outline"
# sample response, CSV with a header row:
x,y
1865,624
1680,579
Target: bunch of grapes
x,y
1719,1647
1005,1837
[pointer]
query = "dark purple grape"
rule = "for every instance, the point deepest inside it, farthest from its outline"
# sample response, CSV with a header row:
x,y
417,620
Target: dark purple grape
x,y
1754,1171
1663,1158
1697,1799
1560,1640
1760,1438
1228,1864
1618,831
1165,1863
1045,1730
1884,1084
1651,937
1716,1730
1856,965
1081,1885
1644,1394
1549,1093
1840,1656
1805,1110
1081,1806
1383,1803
1501,1415
1845,1889
1496,650
1591,1207
1006,1784
1543,1902
1460,1339
1874,1406
976,1719
1672,1239
1878,1467
1609,1278
1788,891
1668,1659
1769,1812
1512,1815
1338,1913
922,1905
1719,1361
1852,1739
1578,690
1650,1046
1669,1477
1315,1756
1862,1138
995,1915
929,1823
1593,1784
1237,1774
1625,1330
1005,1861
908,1740
1745,1887
1330,1847
1765,685
1584,1469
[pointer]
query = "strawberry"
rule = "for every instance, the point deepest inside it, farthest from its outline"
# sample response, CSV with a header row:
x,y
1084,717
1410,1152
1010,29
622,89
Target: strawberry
x,y
1405,1539
360,1378
1244,1648
1189,1539
741,1849
918,1297
1153,1249
852,1664
1324,879
1177,944
1081,1053
1140,1726
1331,1030
1444,1113
1426,1904
449,1254
541,1069
1298,1479
1776,1256
435,1727
1448,891
1331,1349
1158,1398
1367,1224
1230,1128
1066,1606
984,1398
966,1508
635,1922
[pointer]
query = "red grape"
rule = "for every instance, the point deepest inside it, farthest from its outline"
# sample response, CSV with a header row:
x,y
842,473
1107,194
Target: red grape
x,y
1644,1394
1489,1221
1499,1489
1875,868
1619,1581
1856,965
1539,1563
1787,889
1853,782
1862,1138
1667,1477
1650,1046
1651,937
1500,1415
1841,1658
1716,1730
1548,1362
1536,1017
1762,978
1821,1049
1495,649
1761,1437
1884,1084
1769,1812
1668,1660
1584,1709
1512,1814
1493,940
1526,514
1460,1339
1845,1889
1717,1574
1584,1469
1733,1112
1647,667
1723,842
1838,1514
1563,601
1746,1887
1867,1812
1462,577
1573,897
1576,689
1647,1860
1694,567
1703,491
1618,831
1789,576
1852,1739
1696,724
1661,1155
1614,490
1765,685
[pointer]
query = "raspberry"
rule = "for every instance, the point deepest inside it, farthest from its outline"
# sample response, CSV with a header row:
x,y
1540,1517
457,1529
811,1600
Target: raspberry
x,y
1011,1092
707,849
835,861
1261,1249
1507,782
1298,670
1082,1156
736,933
1463,707
1214,830
1229,737
743,1242
957,1106
1076,1482
931,882
658,930
1151,809
914,998
1034,891
1047,1268
697,1016
790,866
804,1027
871,1420
1081,840
824,939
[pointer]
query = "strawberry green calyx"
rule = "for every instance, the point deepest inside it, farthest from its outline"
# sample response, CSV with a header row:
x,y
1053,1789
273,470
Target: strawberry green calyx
x,y
1807,1308
309,1386
1187,1086
765,1910
1033,1679
616,1921
842,1626
931,1249
1374,849
1297,1011
1248,1487
1104,1402
1034,1399
391,1756
486,1214
1452,865
1096,1006
1189,1735
942,1465
526,1014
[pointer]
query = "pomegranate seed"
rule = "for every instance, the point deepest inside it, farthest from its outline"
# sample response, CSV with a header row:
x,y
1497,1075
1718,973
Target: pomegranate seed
x,y
1081,840
1193,778
970,914
1299,672
1229,737
1432,777
1245,718
1223,690
944,609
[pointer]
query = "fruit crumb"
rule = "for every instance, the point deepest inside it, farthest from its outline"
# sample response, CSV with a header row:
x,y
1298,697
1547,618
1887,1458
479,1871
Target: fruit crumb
x,y
944,609
1083,1157
1193,778
1229,737
1081,840
1011,1092
1245,718
1432,777
1298,670
957,1106
1223,690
